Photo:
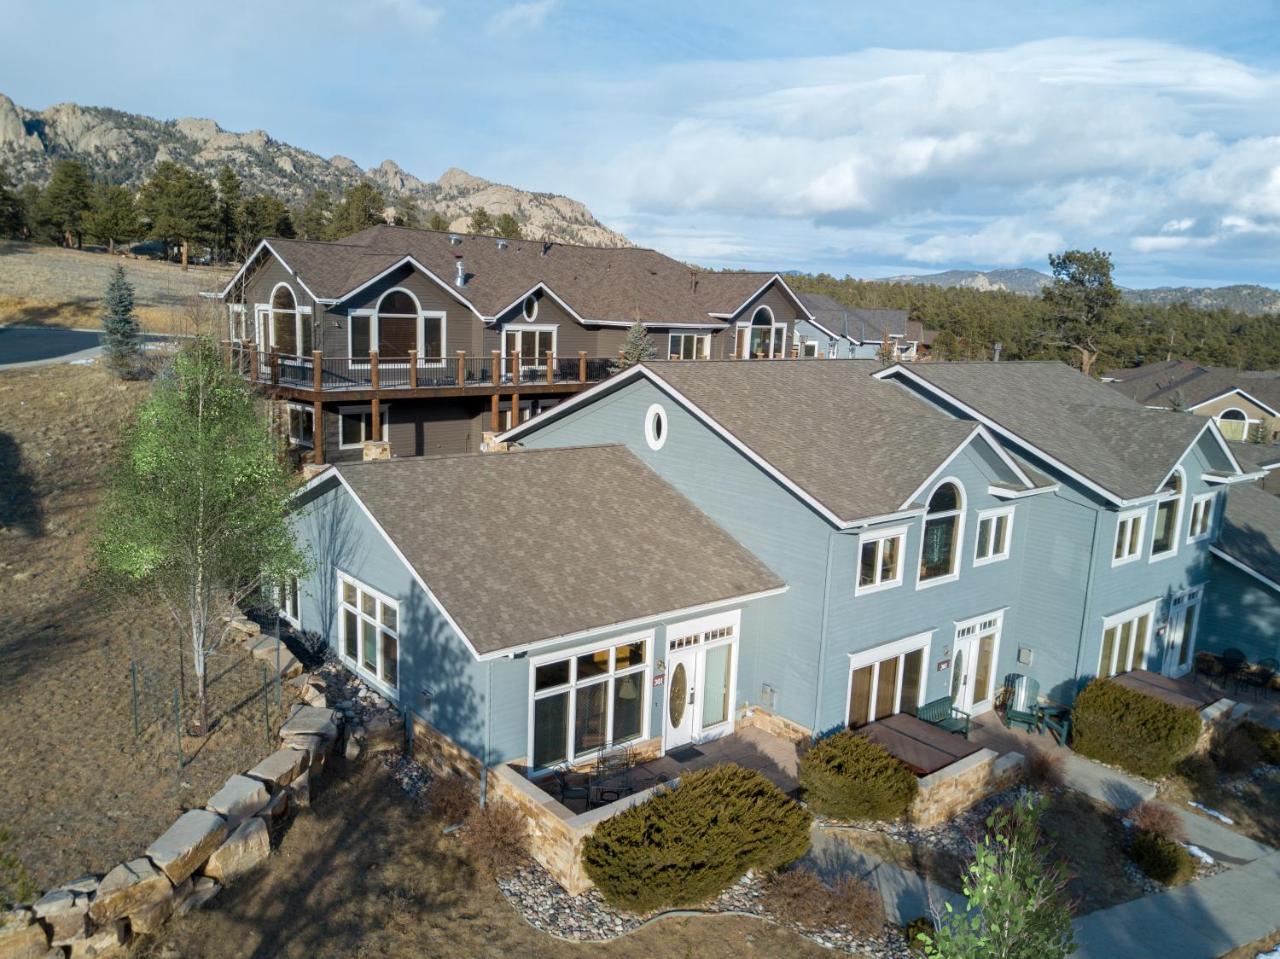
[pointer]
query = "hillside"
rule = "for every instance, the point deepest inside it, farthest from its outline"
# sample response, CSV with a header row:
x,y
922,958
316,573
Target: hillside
x,y
1246,298
124,147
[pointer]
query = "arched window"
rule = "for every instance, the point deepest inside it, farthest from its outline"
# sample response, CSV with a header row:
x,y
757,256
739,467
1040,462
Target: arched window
x,y
290,330
397,325
766,337
940,549
1164,541
1235,424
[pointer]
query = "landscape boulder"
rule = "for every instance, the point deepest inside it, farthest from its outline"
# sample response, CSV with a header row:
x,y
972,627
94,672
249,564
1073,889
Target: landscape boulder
x,y
311,721
240,798
300,790
187,843
281,768
109,942
21,937
127,888
201,891
315,747
248,846
63,913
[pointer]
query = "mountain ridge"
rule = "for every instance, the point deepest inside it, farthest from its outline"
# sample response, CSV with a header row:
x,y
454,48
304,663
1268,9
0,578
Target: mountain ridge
x,y
123,147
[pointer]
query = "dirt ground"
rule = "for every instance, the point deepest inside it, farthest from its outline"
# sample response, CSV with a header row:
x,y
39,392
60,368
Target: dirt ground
x,y
50,286
77,790
1254,807
364,873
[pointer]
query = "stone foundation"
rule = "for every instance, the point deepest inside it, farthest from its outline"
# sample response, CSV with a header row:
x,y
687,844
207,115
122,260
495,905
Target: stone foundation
x,y
967,781
773,724
1218,717
441,754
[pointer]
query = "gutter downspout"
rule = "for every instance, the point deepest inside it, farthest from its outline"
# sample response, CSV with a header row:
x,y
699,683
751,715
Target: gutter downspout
x,y
488,709
822,630
1088,593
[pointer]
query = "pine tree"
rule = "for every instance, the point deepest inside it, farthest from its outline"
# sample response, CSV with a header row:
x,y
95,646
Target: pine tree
x,y
262,216
121,340
11,218
65,201
481,221
437,221
407,213
313,221
362,206
230,203
179,206
112,216
637,347
508,226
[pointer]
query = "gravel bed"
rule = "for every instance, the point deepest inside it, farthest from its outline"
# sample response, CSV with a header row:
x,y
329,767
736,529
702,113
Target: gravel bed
x,y
588,918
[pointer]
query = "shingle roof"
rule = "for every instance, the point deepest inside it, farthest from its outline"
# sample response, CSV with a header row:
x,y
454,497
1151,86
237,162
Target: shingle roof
x,y
1251,530
599,284
577,525
859,446
1256,456
1087,426
864,324
1156,384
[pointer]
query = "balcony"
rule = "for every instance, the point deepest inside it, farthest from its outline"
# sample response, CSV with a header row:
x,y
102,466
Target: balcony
x,y
352,377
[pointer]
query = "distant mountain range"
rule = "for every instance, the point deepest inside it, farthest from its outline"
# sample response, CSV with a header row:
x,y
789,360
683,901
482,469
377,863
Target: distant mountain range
x,y
124,147
1244,298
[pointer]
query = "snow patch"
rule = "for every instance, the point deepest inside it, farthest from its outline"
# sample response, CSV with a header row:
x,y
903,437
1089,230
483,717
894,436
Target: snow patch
x,y
1215,814
1200,854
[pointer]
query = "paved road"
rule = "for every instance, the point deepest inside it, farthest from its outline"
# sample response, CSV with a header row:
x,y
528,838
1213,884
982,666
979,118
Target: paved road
x,y
31,345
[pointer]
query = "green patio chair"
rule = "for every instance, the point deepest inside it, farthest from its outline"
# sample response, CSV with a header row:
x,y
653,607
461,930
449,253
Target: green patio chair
x,y
944,714
1021,706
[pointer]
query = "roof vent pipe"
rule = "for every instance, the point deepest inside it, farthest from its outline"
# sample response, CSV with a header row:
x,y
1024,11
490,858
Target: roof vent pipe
x,y
996,350
461,278
454,239
546,248
502,244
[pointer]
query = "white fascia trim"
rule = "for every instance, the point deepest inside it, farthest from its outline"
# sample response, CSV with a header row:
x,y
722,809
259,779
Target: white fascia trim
x,y
657,324
512,651
253,256
247,261
891,649
528,293
999,492
1001,431
1233,480
332,471
1265,580
978,430
1211,426
1235,390
812,321
447,287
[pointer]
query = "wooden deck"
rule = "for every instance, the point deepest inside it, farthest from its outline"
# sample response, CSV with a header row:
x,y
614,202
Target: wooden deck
x,y
1176,692
923,747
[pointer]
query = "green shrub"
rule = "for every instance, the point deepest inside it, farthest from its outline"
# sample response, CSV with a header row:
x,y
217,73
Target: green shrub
x,y
1162,859
799,896
1233,750
1267,741
914,929
1115,724
688,843
847,776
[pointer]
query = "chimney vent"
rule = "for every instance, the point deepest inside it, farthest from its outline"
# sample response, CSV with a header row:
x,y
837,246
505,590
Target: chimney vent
x,y
454,239
546,247
461,278
502,244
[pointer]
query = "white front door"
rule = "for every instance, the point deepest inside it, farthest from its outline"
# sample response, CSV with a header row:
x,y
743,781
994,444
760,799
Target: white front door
x,y
701,678
973,665
682,668
1180,635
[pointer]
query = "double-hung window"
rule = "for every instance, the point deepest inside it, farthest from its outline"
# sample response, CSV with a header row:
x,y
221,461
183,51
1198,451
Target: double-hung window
x,y
880,560
1125,640
370,628
995,527
1201,518
589,700
689,346
290,606
1129,530
1164,539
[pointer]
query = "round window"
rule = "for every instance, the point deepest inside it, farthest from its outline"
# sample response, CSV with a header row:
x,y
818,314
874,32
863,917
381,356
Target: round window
x,y
530,307
655,427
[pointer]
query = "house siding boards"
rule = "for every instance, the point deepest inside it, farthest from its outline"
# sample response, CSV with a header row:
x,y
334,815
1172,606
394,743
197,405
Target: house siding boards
x,y
1239,612
256,290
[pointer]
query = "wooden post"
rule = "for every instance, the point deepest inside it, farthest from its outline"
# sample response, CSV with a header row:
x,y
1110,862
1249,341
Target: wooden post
x,y
375,419
515,395
413,369
582,366
622,355
317,432
226,353
317,370
551,370
373,370
275,368
493,413
462,367
497,367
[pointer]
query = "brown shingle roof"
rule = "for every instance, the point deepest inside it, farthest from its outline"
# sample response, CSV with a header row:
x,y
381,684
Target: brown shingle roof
x,y
578,525
1251,530
1157,384
599,284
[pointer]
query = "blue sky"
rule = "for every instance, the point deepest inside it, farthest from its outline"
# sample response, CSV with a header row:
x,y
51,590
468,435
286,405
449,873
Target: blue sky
x,y
870,139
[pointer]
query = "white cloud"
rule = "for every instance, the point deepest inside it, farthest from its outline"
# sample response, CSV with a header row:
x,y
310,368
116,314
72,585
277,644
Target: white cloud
x,y
520,17
413,13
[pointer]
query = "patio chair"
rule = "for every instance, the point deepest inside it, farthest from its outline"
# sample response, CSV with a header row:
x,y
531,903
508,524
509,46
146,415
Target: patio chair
x,y
1021,707
567,789
1258,677
1233,661
944,714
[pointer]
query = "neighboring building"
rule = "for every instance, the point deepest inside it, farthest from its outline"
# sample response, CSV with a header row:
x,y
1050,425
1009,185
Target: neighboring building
x,y
1244,403
426,340
859,333
825,544
1242,602
1261,458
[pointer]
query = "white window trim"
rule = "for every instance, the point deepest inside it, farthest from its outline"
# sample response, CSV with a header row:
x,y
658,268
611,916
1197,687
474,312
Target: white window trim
x,y
773,327
420,333
571,687
524,308
1206,503
1179,512
552,328
1116,620
301,314
355,665
238,316
808,348
653,416
894,650
309,410
1133,514
993,514
283,604
704,337
384,414
878,537
958,555
1249,422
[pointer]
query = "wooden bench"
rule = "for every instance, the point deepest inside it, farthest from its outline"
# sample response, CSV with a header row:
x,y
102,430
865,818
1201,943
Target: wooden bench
x,y
943,714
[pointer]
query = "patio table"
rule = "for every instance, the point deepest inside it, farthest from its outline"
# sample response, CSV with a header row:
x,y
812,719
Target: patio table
x,y
923,747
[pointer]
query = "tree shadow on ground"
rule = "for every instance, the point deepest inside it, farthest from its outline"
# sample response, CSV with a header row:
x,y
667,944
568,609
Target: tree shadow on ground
x,y
19,501
49,313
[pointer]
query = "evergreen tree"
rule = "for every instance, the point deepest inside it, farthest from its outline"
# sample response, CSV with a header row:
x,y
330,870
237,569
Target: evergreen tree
x,y
437,221
481,221
508,226
65,201
11,213
362,206
637,347
262,216
121,340
313,221
34,227
112,216
407,213
1083,302
178,206
230,211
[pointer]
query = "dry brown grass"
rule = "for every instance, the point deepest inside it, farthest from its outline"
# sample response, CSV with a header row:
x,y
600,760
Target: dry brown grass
x,y
1159,819
496,838
451,799
799,896
1044,769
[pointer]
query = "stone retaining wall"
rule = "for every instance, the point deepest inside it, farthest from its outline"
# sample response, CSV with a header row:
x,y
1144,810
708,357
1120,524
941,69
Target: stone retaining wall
x,y
773,724
1218,717
437,752
964,783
